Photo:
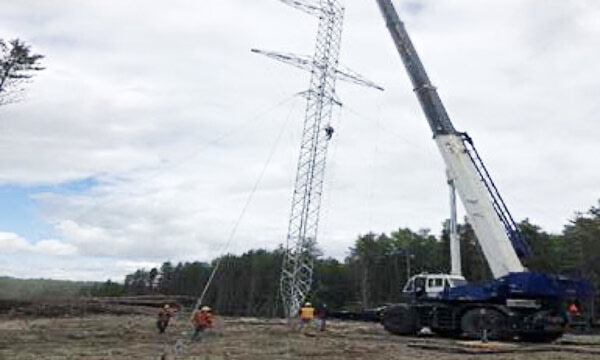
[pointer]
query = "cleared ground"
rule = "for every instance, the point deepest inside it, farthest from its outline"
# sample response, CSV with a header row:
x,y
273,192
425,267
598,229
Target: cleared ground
x,y
135,337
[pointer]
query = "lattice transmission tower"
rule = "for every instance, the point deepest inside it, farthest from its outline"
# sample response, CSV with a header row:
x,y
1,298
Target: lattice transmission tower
x,y
297,267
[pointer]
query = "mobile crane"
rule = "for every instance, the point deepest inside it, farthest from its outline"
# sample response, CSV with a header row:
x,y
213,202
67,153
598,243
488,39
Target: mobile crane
x,y
517,303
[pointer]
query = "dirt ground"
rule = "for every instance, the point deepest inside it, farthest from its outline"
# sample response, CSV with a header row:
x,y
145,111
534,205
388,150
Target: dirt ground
x,y
131,337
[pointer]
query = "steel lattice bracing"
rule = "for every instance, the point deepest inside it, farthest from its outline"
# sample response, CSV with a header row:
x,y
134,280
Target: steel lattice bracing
x,y
297,268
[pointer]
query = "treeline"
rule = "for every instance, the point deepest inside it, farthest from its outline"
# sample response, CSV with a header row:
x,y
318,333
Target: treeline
x,y
98,289
39,289
375,271
46,289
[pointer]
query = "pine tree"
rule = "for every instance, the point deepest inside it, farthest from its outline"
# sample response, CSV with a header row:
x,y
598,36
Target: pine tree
x,y
17,65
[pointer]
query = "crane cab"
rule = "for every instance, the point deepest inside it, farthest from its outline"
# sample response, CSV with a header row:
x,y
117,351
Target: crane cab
x,y
431,285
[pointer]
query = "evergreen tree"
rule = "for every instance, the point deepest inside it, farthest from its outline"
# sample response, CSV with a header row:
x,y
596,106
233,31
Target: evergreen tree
x,y
17,65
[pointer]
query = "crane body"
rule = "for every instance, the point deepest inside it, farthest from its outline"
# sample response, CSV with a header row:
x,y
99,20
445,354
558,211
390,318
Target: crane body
x,y
517,303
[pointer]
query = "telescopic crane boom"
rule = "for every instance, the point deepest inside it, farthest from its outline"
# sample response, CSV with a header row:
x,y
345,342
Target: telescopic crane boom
x,y
517,303
495,229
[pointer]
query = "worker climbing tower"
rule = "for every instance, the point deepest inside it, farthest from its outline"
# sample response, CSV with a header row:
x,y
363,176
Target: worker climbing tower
x,y
297,268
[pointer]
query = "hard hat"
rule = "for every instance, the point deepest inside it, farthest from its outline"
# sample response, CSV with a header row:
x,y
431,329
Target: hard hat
x,y
205,308
308,304
166,306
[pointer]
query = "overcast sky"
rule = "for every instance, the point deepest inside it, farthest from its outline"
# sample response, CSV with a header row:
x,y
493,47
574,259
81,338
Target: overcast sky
x,y
142,139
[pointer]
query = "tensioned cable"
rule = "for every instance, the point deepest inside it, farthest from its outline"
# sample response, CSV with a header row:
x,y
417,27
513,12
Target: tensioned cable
x,y
386,130
244,209
189,157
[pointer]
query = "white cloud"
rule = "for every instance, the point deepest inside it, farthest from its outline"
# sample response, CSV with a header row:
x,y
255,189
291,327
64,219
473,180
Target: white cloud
x,y
54,247
11,243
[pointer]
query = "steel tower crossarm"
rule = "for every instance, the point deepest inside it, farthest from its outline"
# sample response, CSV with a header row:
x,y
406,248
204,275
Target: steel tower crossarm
x,y
482,202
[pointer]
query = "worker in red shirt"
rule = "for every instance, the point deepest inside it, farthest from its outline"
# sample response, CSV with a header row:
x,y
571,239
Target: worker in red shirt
x,y
322,316
201,320
573,311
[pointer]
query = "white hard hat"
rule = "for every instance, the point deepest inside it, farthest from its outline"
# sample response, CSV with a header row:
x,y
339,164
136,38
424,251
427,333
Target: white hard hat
x,y
205,308
308,304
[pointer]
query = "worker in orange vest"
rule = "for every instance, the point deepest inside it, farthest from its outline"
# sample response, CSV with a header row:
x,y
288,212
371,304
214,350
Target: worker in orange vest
x,y
307,314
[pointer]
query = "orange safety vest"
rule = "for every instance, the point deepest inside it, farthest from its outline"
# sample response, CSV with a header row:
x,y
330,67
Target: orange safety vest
x,y
307,313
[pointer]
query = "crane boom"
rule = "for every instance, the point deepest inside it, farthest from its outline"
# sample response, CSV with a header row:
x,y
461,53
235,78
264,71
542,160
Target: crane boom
x,y
491,221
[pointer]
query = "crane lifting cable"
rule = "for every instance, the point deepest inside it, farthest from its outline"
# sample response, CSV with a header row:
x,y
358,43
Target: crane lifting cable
x,y
244,208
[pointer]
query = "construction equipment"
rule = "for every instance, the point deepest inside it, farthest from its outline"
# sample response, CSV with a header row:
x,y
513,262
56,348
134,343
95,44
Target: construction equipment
x,y
518,303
